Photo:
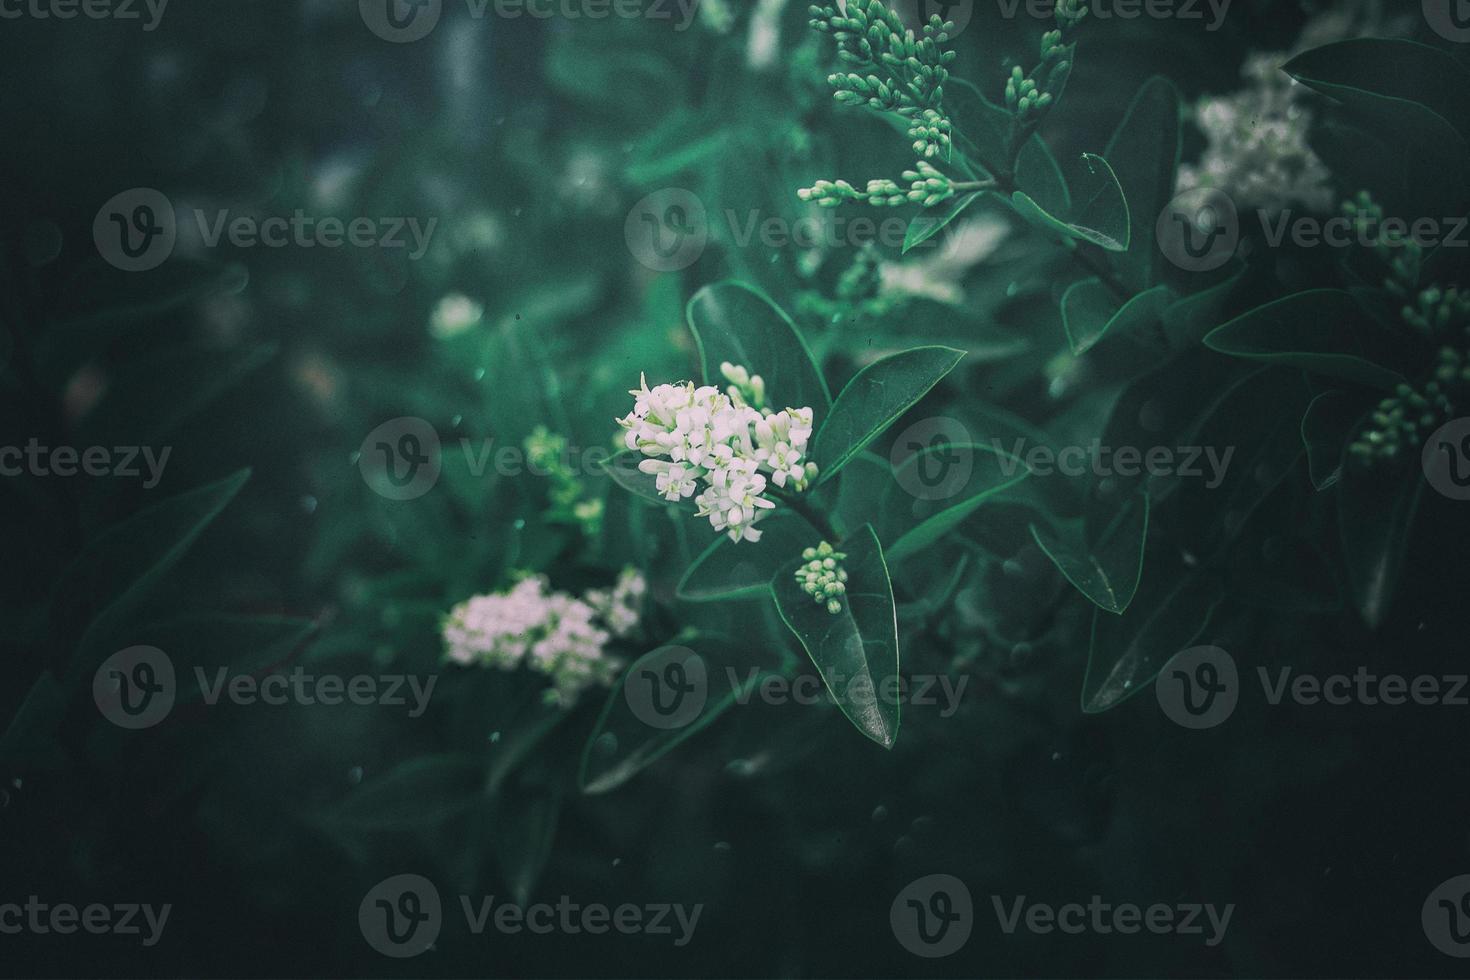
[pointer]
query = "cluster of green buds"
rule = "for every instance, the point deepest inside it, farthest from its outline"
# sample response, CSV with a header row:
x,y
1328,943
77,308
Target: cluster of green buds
x,y
892,69
1438,312
1023,97
1403,420
926,186
1028,97
821,576
570,500
1403,255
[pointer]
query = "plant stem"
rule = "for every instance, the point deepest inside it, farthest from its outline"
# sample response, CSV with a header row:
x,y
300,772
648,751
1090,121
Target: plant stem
x,y
812,516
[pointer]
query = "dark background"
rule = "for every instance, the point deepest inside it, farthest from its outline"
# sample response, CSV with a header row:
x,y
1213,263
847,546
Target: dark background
x,y
530,140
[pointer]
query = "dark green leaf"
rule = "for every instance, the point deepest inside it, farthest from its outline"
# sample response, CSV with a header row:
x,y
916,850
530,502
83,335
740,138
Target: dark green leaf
x,y
1099,210
931,221
1107,567
1144,153
1171,610
1376,506
874,400
1321,330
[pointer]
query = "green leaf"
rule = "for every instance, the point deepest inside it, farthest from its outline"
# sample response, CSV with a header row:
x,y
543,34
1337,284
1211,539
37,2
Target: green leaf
x,y
1106,565
1327,427
1376,507
931,221
734,322
1172,609
1378,73
116,570
855,650
1144,153
874,400
729,570
1100,212
1321,330
934,490
623,744
524,829
1402,90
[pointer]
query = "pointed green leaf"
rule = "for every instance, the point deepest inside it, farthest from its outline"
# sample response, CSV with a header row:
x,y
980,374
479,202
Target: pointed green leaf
x,y
855,650
931,221
622,467
1106,570
874,400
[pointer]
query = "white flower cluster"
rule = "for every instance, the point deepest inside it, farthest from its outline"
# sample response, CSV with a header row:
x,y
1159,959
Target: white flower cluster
x,y
552,633
728,443
1257,150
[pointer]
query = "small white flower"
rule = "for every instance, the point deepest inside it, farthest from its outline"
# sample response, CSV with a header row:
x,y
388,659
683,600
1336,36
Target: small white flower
x,y
729,443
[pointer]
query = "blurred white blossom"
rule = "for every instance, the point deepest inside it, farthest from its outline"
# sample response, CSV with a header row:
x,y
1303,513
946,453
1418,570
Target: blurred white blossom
x,y
551,633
